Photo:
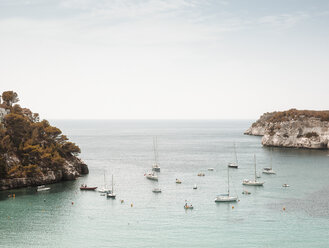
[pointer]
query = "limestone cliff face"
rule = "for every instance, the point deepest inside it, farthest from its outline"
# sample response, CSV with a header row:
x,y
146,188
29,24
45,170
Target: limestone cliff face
x,y
295,130
71,169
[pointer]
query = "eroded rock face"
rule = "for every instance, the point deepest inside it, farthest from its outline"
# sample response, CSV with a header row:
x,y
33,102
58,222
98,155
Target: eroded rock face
x,y
301,132
72,169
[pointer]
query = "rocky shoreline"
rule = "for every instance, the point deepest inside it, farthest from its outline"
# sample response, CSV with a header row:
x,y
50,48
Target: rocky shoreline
x,y
292,128
72,169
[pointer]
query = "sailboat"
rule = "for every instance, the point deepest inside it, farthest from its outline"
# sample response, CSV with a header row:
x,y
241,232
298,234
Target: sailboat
x,y
226,197
105,189
253,182
235,163
269,170
155,166
111,194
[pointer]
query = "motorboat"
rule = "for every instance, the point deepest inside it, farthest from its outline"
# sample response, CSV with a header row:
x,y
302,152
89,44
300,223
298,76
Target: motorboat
x,y
178,181
85,187
253,182
195,186
156,190
226,197
151,176
232,165
210,169
200,174
285,185
42,188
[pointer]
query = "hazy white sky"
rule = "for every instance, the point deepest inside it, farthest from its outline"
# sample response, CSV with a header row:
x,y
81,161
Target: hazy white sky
x,y
165,59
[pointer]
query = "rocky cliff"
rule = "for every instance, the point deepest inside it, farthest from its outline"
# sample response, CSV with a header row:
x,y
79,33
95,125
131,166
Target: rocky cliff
x,y
33,152
293,128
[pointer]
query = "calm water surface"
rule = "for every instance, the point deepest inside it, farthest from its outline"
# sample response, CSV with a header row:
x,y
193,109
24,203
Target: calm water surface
x,y
124,148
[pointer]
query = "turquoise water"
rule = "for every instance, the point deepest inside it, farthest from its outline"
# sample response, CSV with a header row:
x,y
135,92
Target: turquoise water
x,y
124,148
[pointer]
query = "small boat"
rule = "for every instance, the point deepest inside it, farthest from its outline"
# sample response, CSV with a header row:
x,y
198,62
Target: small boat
x,y
195,187
253,182
210,169
234,164
201,174
178,181
42,188
226,197
156,166
156,190
112,194
85,187
246,192
151,176
285,185
188,206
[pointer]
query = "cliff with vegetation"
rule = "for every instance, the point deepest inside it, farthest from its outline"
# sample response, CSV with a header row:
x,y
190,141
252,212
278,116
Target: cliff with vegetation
x,y
293,128
32,152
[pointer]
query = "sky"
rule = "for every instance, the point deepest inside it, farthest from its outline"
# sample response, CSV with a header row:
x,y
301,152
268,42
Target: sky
x,y
165,59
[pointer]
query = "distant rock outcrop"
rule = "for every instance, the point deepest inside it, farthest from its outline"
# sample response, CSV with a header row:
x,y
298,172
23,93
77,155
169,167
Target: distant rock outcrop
x,y
293,128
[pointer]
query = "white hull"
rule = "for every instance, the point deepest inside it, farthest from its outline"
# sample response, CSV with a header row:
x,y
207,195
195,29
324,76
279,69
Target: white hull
x,y
233,165
43,189
111,195
269,172
226,199
152,177
252,183
104,190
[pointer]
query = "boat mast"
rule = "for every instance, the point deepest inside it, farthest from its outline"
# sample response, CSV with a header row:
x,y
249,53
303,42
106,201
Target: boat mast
x,y
154,149
255,167
236,157
228,181
271,159
112,184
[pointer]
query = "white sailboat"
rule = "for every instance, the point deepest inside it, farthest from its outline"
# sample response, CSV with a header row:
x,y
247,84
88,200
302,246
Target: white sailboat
x,y
253,182
111,194
269,170
235,163
104,189
156,166
226,197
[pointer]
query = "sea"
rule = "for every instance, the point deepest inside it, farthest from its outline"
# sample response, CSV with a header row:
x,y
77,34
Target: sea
x,y
271,216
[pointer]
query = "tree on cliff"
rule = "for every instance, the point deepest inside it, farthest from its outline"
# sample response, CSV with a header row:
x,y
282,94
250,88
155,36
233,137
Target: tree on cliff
x,y
9,97
35,145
